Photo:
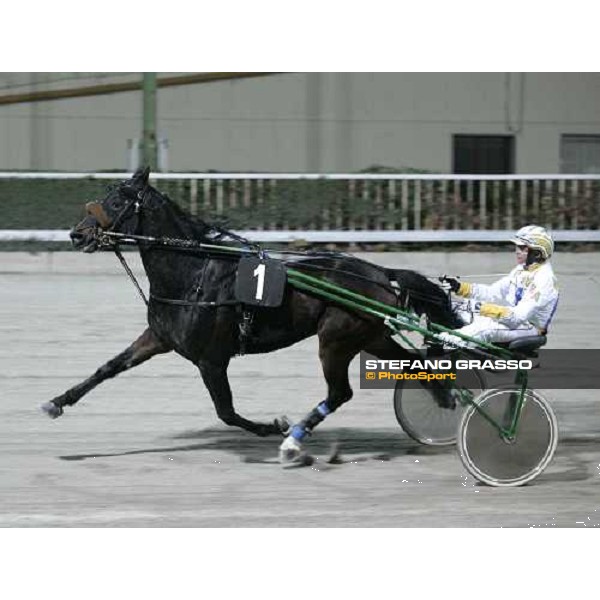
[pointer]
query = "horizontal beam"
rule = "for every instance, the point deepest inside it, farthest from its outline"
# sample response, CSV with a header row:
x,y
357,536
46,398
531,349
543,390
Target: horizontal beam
x,y
301,176
128,86
341,237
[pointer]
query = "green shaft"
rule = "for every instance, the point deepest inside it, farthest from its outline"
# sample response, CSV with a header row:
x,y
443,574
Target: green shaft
x,y
521,381
331,296
326,285
397,316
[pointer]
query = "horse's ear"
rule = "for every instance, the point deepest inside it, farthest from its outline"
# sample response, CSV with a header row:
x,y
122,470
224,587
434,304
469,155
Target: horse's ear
x,y
141,176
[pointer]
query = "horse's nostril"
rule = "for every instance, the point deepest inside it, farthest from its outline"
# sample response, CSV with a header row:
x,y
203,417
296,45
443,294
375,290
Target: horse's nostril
x,y
77,238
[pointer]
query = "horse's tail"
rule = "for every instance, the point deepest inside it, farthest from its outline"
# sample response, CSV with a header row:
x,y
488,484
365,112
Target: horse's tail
x,y
418,293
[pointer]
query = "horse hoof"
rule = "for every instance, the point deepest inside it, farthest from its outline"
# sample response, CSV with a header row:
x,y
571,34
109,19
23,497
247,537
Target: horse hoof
x,y
52,410
290,453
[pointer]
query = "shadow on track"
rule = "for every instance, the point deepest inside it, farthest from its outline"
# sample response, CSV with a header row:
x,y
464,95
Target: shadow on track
x,y
570,450
361,444
344,445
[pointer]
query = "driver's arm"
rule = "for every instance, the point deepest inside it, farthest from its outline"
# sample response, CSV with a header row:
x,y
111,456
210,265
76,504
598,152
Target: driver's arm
x,y
486,293
513,316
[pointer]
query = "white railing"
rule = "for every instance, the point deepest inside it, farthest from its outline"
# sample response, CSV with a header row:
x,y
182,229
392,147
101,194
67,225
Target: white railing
x,y
391,207
331,236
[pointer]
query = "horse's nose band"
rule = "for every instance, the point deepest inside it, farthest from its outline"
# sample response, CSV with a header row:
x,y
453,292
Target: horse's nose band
x,y
96,210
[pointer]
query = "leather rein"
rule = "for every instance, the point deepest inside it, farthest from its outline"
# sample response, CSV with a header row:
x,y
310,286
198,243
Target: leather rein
x,y
110,239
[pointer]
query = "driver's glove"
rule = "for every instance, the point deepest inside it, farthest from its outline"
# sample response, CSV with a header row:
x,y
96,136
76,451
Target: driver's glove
x,y
450,283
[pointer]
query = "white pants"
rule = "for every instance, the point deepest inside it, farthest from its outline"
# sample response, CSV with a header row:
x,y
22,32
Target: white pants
x,y
486,329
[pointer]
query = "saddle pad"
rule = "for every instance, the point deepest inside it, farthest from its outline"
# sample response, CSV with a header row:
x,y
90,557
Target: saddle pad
x,y
260,281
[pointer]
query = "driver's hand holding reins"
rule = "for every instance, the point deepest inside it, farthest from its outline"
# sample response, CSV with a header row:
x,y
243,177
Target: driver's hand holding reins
x,y
450,283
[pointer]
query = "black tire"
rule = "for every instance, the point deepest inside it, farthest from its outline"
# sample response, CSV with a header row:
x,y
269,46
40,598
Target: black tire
x,y
422,417
490,458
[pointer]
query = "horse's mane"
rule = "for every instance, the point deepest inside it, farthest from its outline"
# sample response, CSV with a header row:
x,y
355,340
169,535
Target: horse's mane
x,y
195,228
416,290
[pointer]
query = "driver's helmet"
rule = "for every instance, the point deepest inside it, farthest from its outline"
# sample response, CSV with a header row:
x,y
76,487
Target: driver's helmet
x,y
536,238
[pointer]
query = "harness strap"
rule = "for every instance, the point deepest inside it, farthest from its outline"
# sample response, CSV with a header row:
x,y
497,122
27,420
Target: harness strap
x,y
130,273
191,303
246,319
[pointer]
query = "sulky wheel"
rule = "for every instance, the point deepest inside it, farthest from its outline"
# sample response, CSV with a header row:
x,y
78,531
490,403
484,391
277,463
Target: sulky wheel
x,y
497,461
431,416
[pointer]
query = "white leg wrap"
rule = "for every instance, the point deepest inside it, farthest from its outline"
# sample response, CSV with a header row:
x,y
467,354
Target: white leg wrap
x,y
290,450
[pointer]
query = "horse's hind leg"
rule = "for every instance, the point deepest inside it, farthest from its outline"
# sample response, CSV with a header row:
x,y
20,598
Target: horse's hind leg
x,y
336,356
215,378
145,347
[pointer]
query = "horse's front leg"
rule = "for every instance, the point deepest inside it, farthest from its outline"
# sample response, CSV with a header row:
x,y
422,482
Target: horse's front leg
x,y
215,378
145,347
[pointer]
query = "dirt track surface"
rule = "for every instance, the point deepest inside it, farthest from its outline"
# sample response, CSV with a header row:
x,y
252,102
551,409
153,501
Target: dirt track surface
x,y
146,448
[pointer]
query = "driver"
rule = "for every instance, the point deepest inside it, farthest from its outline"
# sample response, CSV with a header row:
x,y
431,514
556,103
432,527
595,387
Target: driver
x,y
521,304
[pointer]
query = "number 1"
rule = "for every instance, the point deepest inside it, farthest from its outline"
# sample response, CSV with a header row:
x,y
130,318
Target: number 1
x,y
260,273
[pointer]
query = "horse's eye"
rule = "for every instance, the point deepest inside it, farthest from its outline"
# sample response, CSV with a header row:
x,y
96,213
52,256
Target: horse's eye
x,y
115,203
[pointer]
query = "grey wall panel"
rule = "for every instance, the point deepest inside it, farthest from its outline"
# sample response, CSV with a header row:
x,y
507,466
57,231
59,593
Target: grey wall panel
x,y
303,121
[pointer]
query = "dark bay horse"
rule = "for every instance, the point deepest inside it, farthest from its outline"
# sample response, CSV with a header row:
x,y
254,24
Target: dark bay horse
x,y
193,310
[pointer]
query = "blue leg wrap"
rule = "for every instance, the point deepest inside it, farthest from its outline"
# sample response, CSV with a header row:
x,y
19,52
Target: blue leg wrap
x,y
298,432
323,408
316,415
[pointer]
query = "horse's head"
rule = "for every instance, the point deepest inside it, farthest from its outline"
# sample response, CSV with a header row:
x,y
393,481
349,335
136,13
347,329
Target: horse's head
x,y
117,212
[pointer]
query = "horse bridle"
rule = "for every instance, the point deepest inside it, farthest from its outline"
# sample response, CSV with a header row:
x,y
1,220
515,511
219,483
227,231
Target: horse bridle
x,y
137,205
110,238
